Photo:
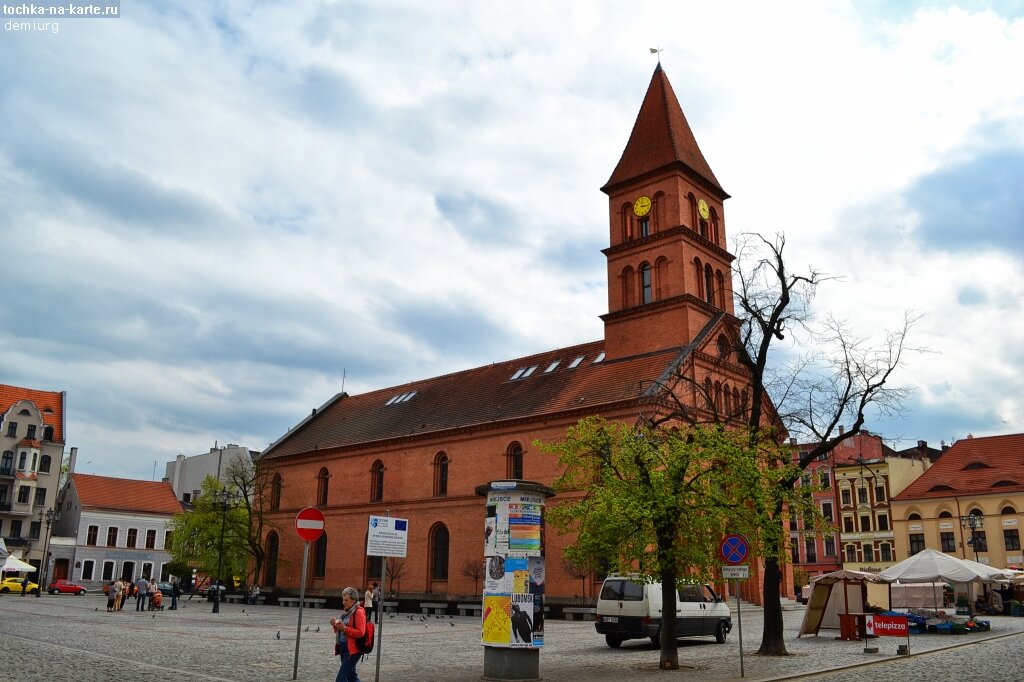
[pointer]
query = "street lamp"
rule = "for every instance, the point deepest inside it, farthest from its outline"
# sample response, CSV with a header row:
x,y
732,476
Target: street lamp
x,y
974,521
221,500
49,517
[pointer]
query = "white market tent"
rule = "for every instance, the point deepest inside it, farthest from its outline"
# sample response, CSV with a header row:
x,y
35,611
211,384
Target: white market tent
x,y
826,603
15,565
930,565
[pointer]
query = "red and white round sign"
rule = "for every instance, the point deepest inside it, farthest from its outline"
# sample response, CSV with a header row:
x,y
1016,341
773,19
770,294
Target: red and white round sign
x,y
309,524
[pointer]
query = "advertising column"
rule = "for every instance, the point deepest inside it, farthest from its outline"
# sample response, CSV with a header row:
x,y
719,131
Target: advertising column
x,y
512,624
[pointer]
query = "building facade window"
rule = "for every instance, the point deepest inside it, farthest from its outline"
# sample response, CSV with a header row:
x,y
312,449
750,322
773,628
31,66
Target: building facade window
x,y
441,475
865,523
270,569
275,492
150,539
44,464
826,511
33,530
439,553
7,463
108,571
824,480
87,569
15,528
646,285
91,535
12,429
851,554
947,541
321,487
862,494
1011,539
131,538
168,540
320,557
812,550
377,481
515,461
830,546
916,543
883,522
886,551
844,495
40,497
869,552
980,541
24,492
112,536
880,492
848,524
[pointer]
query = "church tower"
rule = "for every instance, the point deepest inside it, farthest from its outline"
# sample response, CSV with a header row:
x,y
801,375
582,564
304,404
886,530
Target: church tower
x,y
669,272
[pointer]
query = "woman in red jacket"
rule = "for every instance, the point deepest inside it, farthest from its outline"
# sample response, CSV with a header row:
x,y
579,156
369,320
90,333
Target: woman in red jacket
x,y
350,627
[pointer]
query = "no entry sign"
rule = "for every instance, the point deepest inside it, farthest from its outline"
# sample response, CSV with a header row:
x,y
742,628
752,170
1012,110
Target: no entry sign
x,y
309,524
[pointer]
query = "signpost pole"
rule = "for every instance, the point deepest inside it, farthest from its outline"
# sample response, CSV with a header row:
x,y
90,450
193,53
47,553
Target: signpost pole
x,y
739,618
380,621
302,598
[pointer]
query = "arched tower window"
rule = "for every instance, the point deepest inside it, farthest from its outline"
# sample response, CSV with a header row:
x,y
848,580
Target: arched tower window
x,y
515,461
270,568
377,481
727,399
720,288
320,556
627,222
628,288
716,236
699,269
709,285
661,278
709,392
321,487
275,492
646,285
439,552
441,475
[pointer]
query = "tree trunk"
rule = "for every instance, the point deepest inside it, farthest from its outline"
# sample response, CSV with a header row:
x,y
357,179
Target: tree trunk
x,y
669,645
772,641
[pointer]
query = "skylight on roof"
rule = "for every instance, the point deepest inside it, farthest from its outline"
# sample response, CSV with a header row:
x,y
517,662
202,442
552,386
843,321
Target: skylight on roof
x,y
551,367
529,371
519,373
575,363
400,398
599,358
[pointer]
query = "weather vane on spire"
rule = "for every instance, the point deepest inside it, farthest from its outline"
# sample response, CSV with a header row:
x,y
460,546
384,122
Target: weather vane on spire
x,y
657,51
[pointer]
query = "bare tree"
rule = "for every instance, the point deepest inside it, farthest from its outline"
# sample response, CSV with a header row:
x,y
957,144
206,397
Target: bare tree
x,y
395,568
838,382
252,482
474,569
575,570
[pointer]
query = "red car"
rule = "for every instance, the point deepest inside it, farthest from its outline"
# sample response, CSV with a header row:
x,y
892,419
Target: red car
x,y
65,587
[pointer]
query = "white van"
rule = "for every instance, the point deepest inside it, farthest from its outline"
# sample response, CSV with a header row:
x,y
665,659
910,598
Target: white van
x,y
629,608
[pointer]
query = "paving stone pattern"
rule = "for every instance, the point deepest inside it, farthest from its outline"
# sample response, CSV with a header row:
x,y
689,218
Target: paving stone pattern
x,y
64,637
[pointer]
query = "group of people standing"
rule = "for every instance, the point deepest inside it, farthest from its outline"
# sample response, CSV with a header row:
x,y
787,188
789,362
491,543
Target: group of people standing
x,y
148,596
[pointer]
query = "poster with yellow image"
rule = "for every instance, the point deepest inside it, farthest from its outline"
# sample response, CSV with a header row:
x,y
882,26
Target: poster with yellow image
x,y
496,622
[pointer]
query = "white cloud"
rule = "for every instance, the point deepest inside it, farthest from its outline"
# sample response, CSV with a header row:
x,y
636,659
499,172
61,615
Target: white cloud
x,y
210,214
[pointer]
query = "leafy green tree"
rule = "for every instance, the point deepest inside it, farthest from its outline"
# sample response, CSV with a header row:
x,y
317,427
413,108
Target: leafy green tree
x,y
252,482
196,535
657,500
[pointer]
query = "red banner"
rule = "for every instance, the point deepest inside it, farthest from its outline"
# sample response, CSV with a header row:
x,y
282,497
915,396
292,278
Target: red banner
x,y
886,626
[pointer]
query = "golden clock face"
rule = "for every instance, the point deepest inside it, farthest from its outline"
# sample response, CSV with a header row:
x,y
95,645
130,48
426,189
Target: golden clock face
x,y
642,206
703,210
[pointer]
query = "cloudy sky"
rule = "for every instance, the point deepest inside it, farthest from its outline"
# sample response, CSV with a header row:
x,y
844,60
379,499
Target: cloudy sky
x,y
214,214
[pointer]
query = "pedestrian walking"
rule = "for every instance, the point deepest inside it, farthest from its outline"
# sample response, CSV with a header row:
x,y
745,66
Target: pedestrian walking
x,y
376,603
368,603
152,593
111,596
175,593
24,585
350,627
142,591
118,594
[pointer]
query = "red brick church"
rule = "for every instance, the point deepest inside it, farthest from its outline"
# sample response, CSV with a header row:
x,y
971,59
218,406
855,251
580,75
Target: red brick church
x,y
418,450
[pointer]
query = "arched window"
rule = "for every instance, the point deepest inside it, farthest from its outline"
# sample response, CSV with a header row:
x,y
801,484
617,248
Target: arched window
x,y
377,481
320,557
727,395
720,288
441,475
914,517
718,397
270,568
715,236
439,552
699,269
646,286
945,515
321,487
514,456
44,464
661,278
627,222
275,492
22,460
709,394
628,291
1008,510
709,285
736,404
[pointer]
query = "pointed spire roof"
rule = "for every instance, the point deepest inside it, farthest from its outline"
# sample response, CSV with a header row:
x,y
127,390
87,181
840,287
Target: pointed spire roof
x,y
661,138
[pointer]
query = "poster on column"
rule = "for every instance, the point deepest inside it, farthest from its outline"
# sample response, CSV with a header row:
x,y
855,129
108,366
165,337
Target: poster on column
x,y
521,621
538,620
496,622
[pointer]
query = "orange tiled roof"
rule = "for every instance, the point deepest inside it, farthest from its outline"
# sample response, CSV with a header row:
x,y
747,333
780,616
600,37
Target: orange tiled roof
x,y
973,466
661,137
50,403
481,396
123,494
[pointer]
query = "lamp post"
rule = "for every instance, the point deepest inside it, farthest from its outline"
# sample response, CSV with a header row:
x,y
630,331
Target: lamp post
x,y
974,521
222,500
49,517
